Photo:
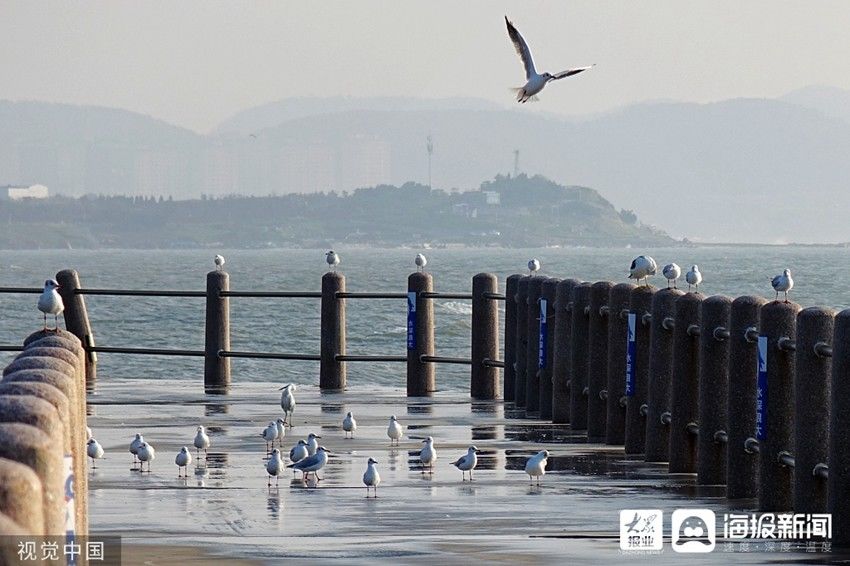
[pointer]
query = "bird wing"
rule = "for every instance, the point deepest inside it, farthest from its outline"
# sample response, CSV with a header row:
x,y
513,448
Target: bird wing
x,y
775,282
570,72
522,49
306,462
634,264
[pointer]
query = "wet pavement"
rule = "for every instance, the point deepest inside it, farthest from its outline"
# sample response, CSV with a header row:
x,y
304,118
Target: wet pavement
x,y
224,508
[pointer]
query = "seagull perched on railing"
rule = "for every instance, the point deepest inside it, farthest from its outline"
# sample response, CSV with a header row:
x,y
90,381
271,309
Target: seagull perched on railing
x,y
421,262
782,284
533,266
535,82
672,272
332,259
219,262
642,267
50,302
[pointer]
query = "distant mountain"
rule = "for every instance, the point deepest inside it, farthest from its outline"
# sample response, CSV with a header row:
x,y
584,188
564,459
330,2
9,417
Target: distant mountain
x,y
831,101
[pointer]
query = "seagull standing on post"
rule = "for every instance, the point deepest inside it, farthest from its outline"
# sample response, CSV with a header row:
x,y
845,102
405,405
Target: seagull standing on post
x,y
782,284
672,272
332,259
693,277
642,267
421,262
533,266
535,82
50,302
219,262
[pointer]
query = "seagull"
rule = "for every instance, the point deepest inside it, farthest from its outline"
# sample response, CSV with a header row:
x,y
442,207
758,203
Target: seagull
x,y
536,465
299,452
146,454
183,461
134,448
535,82
394,430
50,302
94,450
349,425
287,401
371,478
428,455
269,434
219,262
672,272
533,266
693,277
312,444
782,284
274,466
333,259
421,262
467,462
312,463
642,267
202,441
281,430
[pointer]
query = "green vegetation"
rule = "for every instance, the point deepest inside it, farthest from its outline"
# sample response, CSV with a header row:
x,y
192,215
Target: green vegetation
x,y
514,212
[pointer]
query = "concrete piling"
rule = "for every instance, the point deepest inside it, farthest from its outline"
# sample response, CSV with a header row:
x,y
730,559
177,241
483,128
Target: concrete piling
x,y
77,320
21,496
217,333
579,355
484,381
548,320
713,389
684,388
619,301
640,305
509,375
839,431
597,372
657,445
812,374
421,376
521,366
561,376
532,377
742,467
778,325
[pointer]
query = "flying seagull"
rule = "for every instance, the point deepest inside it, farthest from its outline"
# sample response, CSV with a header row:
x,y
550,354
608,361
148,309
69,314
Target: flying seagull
x,y
535,82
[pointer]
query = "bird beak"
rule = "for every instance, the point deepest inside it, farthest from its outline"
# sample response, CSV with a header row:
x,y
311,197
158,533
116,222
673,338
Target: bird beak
x,y
318,437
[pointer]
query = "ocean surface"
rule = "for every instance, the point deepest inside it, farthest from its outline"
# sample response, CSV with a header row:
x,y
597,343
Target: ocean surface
x,y
373,326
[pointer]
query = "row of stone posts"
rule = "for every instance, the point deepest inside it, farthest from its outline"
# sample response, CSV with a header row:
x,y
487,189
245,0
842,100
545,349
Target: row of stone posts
x,y
743,393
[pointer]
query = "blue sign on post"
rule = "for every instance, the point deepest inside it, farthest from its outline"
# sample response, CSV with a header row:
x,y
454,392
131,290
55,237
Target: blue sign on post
x,y
541,338
411,320
761,391
631,348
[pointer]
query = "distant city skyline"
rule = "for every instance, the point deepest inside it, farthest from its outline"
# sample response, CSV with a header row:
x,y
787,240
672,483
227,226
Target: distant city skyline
x,y
194,64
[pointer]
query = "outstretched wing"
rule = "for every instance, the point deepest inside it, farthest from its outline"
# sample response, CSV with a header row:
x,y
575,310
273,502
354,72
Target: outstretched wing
x,y
521,49
570,72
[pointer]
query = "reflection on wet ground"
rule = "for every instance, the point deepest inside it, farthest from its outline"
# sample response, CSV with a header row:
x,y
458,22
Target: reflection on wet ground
x,y
226,506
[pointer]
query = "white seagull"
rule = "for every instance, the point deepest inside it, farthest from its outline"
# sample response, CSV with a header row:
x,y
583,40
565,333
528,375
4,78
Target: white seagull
x,y
281,430
467,462
533,266
287,401
219,262
349,425
693,277
421,262
371,478
269,434
146,454
394,430
94,450
134,448
642,267
535,82
50,302
299,452
312,444
782,284
183,461
672,272
428,455
202,441
536,465
312,463
332,259
274,466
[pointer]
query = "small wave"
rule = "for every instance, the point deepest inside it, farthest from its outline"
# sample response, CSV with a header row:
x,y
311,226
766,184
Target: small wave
x,y
395,330
457,307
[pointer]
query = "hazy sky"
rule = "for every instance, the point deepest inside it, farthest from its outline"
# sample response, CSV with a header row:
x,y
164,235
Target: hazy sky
x,y
194,63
